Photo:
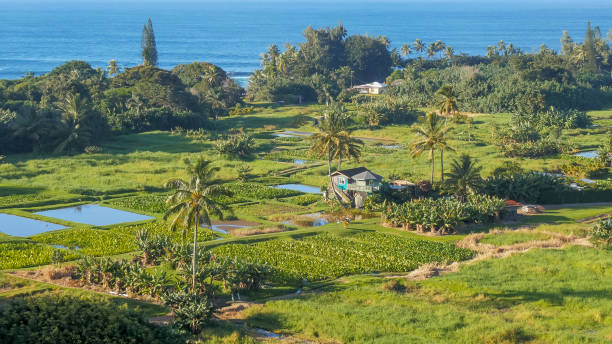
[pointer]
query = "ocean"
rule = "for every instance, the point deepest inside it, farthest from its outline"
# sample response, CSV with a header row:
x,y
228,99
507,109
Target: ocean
x,y
36,36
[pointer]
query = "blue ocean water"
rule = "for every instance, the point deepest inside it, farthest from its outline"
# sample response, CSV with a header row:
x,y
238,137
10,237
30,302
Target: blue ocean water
x,y
37,35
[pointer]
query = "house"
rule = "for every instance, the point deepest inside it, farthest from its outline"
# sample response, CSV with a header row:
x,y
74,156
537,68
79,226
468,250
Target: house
x,y
373,88
356,183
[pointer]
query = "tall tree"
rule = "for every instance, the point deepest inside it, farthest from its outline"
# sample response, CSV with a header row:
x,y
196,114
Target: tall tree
x,y
74,114
332,130
113,68
567,44
447,104
148,44
194,202
449,52
406,50
464,176
430,135
590,59
419,46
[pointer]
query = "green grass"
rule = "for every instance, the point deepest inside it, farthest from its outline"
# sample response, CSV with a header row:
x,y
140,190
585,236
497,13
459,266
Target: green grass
x,y
327,255
511,238
555,215
542,296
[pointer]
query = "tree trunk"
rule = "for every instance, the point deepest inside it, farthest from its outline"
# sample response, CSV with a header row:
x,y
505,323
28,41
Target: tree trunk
x,y
195,253
339,161
433,165
329,167
442,164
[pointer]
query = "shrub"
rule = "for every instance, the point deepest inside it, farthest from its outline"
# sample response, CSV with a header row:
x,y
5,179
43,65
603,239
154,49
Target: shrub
x,y
524,187
68,319
601,233
191,311
240,145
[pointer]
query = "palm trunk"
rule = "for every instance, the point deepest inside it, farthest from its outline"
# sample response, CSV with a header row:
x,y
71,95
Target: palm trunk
x,y
339,161
433,165
329,166
195,252
442,164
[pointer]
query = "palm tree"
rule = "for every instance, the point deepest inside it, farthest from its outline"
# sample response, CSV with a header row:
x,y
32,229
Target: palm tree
x,y
347,147
431,134
74,112
406,50
464,176
195,202
449,52
501,46
448,100
419,46
113,68
332,130
431,51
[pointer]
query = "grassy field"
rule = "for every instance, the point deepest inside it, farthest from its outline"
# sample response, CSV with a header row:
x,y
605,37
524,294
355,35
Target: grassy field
x,y
542,296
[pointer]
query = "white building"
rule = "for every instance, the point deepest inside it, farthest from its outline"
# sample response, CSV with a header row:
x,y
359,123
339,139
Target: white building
x,y
372,88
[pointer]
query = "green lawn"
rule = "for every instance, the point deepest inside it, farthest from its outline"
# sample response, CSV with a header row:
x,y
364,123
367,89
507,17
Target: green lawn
x,y
543,296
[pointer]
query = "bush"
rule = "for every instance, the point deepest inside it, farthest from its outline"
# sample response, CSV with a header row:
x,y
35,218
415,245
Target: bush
x,y
68,319
601,233
532,187
191,311
240,145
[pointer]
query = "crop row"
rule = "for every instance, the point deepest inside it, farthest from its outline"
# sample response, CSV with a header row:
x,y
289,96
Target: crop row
x,y
329,256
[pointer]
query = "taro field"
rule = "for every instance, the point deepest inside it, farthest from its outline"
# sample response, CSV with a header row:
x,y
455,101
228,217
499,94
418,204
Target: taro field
x,y
327,256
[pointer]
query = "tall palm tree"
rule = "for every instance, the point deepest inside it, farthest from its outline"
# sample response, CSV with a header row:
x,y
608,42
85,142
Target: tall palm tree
x,y
464,176
194,202
431,134
449,52
406,50
332,130
113,68
74,112
419,46
348,147
448,100
431,51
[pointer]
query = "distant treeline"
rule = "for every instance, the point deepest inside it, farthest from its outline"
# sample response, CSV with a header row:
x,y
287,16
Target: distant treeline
x,y
75,106
506,80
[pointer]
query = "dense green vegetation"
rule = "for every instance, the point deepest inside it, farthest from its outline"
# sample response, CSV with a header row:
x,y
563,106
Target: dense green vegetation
x,y
58,318
328,256
131,131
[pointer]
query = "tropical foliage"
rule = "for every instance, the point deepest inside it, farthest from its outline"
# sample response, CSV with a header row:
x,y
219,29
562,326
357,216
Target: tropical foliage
x,y
51,318
443,215
328,256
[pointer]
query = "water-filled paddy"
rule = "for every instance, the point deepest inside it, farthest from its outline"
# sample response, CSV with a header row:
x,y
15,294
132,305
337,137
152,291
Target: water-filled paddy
x,y
95,215
587,154
298,187
23,226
